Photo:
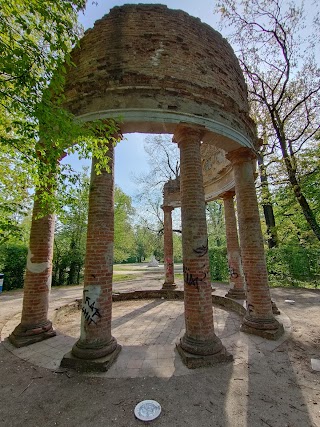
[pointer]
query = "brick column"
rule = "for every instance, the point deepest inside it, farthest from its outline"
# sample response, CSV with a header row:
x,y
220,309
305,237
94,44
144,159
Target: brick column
x,y
236,278
259,319
168,248
97,348
199,346
35,325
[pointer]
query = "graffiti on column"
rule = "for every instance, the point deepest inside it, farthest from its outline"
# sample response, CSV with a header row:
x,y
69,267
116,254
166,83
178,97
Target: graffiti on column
x,y
191,279
201,250
90,311
169,266
232,273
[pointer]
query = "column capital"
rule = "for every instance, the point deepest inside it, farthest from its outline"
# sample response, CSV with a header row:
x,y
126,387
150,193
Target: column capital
x,y
241,155
167,208
185,132
228,194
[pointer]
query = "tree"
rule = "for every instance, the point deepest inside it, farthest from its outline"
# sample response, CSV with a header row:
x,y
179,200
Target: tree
x,y
215,222
267,205
36,38
163,159
123,230
146,242
164,165
277,56
14,197
71,230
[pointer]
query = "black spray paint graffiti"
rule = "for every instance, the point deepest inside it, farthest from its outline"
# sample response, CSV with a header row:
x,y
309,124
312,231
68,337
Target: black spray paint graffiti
x,y
90,312
193,280
232,273
201,250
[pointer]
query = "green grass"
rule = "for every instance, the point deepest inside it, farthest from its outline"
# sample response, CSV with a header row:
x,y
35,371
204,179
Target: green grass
x,y
124,277
294,284
127,267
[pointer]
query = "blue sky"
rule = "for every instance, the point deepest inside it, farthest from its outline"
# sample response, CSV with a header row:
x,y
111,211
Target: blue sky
x,y
130,157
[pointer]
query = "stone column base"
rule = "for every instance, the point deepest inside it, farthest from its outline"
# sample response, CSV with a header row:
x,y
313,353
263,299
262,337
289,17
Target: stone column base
x,y
167,286
269,329
193,361
195,353
94,350
236,294
23,336
101,364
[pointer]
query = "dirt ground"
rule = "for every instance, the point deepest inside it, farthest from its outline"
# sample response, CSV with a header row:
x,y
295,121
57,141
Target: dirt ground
x,y
276,389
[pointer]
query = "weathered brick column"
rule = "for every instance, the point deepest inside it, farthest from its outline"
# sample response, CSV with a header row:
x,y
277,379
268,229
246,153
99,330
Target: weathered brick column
x,y
236,278
199,346
259,319
35,325
168,248
97,348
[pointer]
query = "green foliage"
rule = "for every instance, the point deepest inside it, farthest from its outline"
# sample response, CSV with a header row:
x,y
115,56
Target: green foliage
x,y
147,243
177,247
70,236
123,231
14,196
13,259
295,266
218,264
292,228
215,223
36,38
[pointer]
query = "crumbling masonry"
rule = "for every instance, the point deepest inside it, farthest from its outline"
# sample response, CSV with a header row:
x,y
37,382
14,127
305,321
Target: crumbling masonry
x,y
162,71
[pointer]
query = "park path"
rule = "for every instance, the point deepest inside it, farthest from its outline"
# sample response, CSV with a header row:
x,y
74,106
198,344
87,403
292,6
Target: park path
x,y
275,388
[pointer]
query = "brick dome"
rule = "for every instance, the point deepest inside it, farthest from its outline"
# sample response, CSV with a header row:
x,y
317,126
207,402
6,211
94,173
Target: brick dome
x,y
155,67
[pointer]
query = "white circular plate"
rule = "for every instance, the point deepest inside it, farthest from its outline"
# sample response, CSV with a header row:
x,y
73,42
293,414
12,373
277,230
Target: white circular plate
x,y
147,410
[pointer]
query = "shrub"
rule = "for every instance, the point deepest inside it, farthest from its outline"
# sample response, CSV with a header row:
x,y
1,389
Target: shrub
x,y
218,264
293,264
13,260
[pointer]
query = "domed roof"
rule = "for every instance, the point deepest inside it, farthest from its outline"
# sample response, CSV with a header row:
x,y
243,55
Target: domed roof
x,y
155,67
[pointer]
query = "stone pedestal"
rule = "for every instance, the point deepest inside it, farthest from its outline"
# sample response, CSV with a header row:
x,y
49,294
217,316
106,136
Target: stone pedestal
x,y
35,325
168,249
199,346
259,319
236,278
96,342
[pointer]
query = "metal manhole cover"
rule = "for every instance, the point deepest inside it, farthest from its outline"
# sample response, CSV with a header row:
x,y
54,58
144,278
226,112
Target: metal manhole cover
x,y
147,410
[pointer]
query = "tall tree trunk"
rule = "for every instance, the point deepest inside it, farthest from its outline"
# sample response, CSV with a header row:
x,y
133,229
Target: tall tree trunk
x,y
72,273
307,211
267,205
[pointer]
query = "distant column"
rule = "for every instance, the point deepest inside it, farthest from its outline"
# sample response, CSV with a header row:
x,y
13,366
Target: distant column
x,y
236,279
199,346
168,248
259,319
97,348
35,325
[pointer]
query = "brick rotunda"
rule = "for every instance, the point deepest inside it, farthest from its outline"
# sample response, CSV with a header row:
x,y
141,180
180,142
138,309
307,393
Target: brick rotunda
x,y
161,71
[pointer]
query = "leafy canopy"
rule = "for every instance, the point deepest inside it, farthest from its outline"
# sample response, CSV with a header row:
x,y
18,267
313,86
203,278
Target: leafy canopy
x,y
36,38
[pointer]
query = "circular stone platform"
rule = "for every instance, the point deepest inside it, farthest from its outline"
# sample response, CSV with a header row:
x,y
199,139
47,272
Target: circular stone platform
x,y
147,330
